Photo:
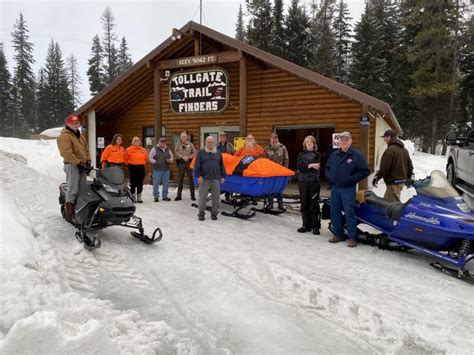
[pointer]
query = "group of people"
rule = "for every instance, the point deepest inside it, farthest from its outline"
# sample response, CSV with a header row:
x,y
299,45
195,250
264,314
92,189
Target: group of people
x,y
344,169
210,170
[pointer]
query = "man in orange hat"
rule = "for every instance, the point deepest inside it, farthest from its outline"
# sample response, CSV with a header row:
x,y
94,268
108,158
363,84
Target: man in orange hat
x,y
73,148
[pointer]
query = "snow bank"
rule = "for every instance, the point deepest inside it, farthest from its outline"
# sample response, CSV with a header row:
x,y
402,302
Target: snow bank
x,y
52,132
40,155
41,312
18,247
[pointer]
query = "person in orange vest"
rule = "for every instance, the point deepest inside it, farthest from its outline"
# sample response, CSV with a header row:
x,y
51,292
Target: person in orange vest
x,y
136,157
113,154
250,148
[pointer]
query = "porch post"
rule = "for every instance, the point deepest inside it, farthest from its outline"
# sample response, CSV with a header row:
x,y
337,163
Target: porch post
x,y
242,94
364,139
157,103
92,137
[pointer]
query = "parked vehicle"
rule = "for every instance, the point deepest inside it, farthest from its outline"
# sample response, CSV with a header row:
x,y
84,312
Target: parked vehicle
x,y
460,165
436,222
104,203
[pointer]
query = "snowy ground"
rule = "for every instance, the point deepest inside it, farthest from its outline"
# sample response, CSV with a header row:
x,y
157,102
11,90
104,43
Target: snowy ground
x,y
226,286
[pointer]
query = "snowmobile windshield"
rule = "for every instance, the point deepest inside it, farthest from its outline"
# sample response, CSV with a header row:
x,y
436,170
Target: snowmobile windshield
x,y
114,175
436,186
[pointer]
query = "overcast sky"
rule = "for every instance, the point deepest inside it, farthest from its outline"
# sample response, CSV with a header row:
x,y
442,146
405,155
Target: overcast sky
x,y
145,24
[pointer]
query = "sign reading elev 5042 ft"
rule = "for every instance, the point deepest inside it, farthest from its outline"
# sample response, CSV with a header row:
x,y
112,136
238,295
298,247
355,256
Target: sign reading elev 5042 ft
x,y
202,91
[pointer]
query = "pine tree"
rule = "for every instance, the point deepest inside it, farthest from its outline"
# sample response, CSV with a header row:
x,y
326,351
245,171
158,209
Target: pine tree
x,y
466,68
403,104
109,45
124,57
278,36
95,72
342,33
297,35
43,101
239,26
431,53
367,70
74,81
24,115
259,33
387,23
54,95
324,39
5,96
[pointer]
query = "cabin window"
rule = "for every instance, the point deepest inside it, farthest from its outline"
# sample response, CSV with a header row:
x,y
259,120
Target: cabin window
x,y
148,133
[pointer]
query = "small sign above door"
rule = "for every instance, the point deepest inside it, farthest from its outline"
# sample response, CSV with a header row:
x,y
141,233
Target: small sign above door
x,y
197,92
198,60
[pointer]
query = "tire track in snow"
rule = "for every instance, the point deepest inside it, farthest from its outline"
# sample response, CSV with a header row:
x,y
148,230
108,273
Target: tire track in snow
x,y
324,302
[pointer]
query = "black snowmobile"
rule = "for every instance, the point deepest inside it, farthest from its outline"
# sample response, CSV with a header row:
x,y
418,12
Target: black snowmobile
x,y
105,202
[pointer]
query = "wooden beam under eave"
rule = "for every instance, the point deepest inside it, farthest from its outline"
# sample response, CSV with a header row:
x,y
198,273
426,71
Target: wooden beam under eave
x,y
242,94
197,46
364,138
157,103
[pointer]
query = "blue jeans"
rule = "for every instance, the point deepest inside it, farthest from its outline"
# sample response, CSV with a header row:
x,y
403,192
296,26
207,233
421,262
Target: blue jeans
x,y
160,176
343,199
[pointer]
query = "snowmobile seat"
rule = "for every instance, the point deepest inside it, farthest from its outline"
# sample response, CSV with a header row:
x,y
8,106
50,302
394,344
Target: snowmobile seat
x,y
372,199
395,210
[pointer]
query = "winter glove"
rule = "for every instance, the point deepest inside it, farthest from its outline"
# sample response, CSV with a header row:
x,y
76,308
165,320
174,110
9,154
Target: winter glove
x,y
410,182
375,181
81,168
88,167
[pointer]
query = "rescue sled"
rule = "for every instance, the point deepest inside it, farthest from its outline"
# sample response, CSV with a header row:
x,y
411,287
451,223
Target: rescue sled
x,y
436,222
250,180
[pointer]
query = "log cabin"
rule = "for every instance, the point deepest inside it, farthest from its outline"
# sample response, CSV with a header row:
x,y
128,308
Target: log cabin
x,y
205,82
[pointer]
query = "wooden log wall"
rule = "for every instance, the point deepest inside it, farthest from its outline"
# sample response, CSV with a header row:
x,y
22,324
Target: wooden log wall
x,y
275,98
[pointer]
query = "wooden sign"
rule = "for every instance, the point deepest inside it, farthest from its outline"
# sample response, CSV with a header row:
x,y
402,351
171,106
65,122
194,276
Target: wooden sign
x,y
199,60
196,92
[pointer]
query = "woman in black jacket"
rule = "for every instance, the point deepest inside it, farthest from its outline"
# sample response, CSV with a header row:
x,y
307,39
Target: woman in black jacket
x,y
308,165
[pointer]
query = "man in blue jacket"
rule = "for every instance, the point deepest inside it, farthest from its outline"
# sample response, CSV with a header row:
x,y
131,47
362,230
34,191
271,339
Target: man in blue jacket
x,y
345,168
210,172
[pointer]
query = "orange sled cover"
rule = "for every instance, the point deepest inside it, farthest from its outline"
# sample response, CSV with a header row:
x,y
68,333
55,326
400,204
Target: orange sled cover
x,y
260,167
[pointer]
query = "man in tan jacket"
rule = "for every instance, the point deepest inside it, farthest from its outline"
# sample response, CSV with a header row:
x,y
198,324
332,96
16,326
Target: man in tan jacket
x,y
73,148
185,153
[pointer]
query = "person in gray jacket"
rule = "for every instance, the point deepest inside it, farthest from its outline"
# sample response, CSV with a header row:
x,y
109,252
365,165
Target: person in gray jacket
x,y
209,170
160,158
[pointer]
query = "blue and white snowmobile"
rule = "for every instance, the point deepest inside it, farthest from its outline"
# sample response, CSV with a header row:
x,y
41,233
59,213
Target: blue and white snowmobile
x,y
436,222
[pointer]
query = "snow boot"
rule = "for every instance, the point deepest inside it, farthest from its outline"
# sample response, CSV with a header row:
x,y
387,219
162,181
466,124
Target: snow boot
x,y
69,207
336,240
352,243
139,198
302,229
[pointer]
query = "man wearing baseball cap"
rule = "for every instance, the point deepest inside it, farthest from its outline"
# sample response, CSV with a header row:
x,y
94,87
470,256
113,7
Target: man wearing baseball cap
x,y
224,146
73,148
395,165
345,168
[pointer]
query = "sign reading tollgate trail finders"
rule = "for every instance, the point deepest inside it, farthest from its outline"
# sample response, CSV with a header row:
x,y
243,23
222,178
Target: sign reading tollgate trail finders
x,y
202,91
